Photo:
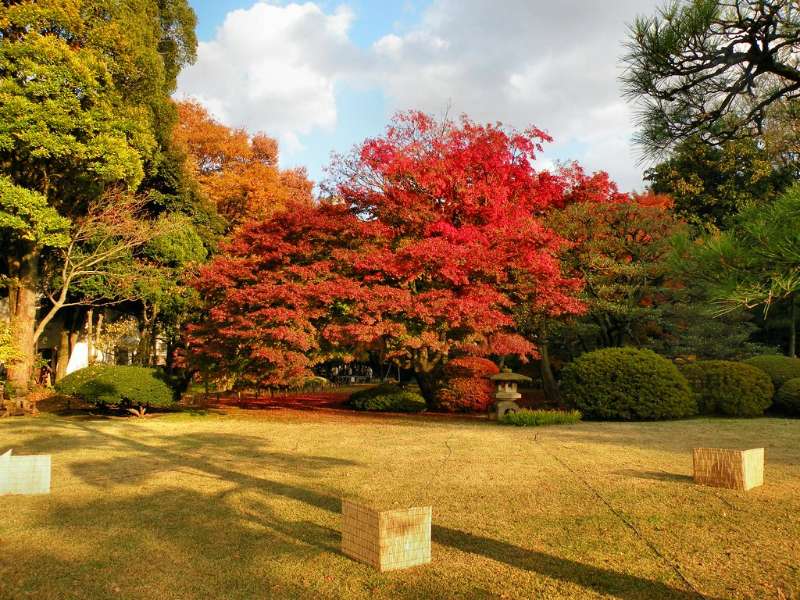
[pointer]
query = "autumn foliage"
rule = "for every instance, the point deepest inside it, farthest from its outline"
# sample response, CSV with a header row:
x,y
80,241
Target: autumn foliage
x,y
430,237
238,172
466,386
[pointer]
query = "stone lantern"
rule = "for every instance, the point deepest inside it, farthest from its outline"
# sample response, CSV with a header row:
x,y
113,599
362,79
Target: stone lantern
x,y
506,394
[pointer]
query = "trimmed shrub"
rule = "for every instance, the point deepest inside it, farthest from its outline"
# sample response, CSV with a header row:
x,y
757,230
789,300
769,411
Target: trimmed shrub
x,y
537,418
627,384
788,397
729,388
779,368
387,397
104,385
466,386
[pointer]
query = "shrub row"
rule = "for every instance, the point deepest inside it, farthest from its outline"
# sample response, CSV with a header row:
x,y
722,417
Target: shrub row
x,y
632,384
788,397
729,388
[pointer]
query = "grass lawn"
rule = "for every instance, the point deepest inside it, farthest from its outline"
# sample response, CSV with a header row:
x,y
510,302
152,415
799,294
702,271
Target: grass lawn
x,y
246,505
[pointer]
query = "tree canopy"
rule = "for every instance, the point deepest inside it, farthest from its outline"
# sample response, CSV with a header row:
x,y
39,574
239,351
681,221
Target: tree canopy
x,y
713,68
710,184
237,171
754,264
428,240
85,114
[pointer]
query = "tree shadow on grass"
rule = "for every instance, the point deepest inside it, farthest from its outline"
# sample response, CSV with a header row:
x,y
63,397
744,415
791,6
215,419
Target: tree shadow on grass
x,y
171,543
656,475
243,546
680,436
597,579
200,526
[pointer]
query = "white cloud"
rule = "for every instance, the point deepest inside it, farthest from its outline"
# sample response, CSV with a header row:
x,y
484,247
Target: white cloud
x,y
272,68
551,64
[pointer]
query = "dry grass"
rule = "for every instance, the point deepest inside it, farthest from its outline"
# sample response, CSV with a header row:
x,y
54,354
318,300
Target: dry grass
x,y
238,506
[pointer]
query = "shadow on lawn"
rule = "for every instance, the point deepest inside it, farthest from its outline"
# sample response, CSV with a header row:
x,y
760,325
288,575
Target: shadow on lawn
x,y
600,580
680,436
242,521
656,475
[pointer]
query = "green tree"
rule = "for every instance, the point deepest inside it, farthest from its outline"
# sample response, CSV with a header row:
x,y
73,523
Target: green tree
x,y
164,298
709,183
620,247
84,107
754,264
714,68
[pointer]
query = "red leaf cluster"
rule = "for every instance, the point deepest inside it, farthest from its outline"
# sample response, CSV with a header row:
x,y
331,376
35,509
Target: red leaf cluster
x,y
467,387
430,237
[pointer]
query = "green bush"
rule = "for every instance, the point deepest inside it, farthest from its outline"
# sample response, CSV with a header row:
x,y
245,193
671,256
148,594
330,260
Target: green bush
x,y
779,368
734,389
103,385
536,418
387,397
788,397
627,384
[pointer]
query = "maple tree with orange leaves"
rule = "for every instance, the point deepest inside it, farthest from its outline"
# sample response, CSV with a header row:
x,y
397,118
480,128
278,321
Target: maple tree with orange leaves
x,y
238,172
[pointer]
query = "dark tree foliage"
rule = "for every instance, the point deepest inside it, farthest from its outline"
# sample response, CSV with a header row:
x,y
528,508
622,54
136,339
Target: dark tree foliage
x,y
711,67
710,183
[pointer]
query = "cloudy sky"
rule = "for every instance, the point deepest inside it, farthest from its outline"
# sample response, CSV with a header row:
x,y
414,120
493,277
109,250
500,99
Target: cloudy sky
x,y
321,76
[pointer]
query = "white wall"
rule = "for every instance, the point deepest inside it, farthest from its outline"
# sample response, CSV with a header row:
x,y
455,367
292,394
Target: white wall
x,y
80,357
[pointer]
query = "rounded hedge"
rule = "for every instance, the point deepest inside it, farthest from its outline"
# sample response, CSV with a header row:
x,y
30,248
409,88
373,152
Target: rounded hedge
x,y
387,397
788,397
729,388
780,368
626,384
118,385
466,386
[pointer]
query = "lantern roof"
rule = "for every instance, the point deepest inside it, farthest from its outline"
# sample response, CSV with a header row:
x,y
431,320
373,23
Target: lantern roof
x,y
507,375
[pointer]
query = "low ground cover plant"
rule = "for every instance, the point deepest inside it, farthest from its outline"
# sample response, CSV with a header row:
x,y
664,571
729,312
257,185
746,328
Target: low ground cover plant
x,y
536,418
387,397
135,388
627,384
733,389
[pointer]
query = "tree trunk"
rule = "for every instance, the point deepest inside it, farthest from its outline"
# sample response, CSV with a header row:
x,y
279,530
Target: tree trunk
x,y
793,325
98,331
426,372
90,336
549,383
154,342
22,304
74,332
427,387
144,350
62,359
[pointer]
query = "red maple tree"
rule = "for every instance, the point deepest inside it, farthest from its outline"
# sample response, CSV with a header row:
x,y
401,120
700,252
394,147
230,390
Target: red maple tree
x,y
430,237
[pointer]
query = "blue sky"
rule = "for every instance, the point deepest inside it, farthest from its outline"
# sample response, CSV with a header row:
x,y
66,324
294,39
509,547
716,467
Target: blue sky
x,y
375,18
321,76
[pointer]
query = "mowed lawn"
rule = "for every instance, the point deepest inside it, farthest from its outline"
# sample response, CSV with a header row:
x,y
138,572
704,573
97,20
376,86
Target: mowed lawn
x,y
247,505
